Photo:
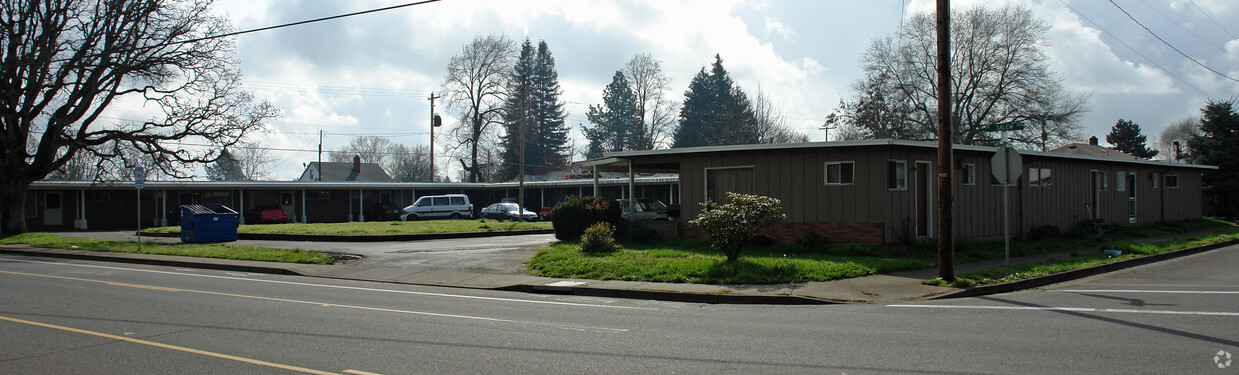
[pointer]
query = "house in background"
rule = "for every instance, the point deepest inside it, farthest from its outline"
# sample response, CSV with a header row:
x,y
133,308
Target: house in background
x,y
883,191
345,172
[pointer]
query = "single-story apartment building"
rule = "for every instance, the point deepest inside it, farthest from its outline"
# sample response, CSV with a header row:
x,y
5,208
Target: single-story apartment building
x,y
883,191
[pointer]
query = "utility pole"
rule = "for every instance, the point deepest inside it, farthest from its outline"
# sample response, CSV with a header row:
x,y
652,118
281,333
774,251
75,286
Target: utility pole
x,y
319,172
946,235
520,199
434,122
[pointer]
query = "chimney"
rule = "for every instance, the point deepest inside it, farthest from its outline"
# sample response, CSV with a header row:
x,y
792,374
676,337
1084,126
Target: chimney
x,y
357,160
1092,141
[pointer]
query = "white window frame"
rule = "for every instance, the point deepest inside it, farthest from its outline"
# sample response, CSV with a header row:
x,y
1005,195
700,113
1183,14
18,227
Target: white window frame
x,y
902,166
1176,181
1153,176
826,173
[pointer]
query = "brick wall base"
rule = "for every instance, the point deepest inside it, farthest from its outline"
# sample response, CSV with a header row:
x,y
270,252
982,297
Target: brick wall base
x,y
871,233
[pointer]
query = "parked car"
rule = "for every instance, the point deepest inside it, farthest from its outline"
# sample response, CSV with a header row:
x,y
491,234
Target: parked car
x,y
508,211
545,214
646,209
267,214
450,206
382,212
509,200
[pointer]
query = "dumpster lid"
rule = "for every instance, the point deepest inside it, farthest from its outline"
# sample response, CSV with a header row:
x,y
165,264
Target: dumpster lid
x,y
198,209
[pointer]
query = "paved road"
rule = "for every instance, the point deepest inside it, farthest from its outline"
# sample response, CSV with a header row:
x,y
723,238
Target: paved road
x,y
493,255
83,317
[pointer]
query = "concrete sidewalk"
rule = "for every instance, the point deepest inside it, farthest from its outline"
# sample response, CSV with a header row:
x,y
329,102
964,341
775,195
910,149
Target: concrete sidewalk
x,y
883,288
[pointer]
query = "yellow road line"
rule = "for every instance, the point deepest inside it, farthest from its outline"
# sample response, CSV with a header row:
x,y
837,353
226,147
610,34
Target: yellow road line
x,y
173,347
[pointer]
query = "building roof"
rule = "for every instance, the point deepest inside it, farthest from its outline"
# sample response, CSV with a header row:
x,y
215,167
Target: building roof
x,y
354,172
618,161
1095,151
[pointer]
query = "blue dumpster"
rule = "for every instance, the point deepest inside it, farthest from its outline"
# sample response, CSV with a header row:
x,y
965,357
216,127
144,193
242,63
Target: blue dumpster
x,y
208,223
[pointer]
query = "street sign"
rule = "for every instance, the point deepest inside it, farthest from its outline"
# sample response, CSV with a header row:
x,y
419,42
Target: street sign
x,y
1005,126
1007,165
139,177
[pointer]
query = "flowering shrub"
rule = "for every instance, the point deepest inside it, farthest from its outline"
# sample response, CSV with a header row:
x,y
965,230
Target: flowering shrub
x,y
599,238
733,224
572,216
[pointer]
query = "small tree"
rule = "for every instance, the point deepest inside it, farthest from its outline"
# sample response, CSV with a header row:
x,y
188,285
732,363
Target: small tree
x,y
1127,137
733,224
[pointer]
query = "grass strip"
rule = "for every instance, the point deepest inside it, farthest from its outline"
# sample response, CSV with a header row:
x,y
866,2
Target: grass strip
x,y
1130,248
381,227
690,261
51,241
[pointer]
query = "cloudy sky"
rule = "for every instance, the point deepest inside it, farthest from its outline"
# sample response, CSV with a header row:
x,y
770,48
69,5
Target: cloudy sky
x,y
372,74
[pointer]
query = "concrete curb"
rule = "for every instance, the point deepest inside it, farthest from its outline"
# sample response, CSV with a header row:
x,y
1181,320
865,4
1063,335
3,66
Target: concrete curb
x,y
732,299
368,238
222,265
1060,277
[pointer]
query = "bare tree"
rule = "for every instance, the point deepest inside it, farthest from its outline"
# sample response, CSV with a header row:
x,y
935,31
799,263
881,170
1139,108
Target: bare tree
x,y
410,165
475,88
255,160
772,121
650,84
999,74
1179,131
371,149
225,168
65,61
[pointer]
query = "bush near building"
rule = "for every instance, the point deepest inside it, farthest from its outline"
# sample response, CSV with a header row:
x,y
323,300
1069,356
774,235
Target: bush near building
x,y
572,216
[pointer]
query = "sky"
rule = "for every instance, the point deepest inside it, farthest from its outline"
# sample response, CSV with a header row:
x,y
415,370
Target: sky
x,y
372,74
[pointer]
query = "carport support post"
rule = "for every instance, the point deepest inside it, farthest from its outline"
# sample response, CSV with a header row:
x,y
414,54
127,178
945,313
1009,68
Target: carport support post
x,y
163,217
304,219
361,202
242,208
632,192
595,180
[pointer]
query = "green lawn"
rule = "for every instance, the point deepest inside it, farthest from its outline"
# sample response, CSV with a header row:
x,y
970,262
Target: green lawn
x,y
690,261
382,227
1123,239
222,251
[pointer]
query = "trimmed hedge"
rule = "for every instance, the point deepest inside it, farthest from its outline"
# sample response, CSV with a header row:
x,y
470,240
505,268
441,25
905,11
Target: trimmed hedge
x,y
572,216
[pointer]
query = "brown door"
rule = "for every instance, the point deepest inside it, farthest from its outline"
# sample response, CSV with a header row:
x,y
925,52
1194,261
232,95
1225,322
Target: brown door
x,y
922,200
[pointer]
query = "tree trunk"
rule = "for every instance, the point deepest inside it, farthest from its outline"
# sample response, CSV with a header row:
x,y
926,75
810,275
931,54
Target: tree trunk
x,y
13,213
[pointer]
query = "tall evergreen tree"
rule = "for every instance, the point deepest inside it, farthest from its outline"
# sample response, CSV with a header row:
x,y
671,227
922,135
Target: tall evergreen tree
x,y
715,111
1126,137
534,111
1218,144
617,122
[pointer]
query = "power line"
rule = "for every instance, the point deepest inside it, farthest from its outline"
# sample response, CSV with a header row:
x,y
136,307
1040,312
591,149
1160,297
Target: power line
x,y
1232,35
1189,31
1133,19
1133,49
298,23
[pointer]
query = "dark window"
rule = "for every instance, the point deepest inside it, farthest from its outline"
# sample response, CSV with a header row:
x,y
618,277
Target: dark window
x,y
1172,181
897,175
441,201
458,201
970,174
840,173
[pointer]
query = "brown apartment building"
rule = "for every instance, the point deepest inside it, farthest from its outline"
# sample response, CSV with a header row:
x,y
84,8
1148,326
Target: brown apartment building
x,y
882,191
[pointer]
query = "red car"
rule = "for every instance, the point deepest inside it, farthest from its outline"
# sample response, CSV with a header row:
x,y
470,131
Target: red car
x,y
545,214
267,214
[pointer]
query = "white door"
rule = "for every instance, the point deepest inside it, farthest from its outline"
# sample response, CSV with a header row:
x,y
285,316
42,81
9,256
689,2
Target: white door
x,y
53,209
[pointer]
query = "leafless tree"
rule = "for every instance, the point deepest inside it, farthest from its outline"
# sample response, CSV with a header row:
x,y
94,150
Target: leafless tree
x,y
371,149
475,88
999,74
1179,131
772,121
255,160
64,62
410,165
650,84
225,168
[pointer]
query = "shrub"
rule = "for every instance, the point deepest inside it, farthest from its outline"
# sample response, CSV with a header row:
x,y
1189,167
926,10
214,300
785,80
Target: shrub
x,y
732,225
599,238
572,216
812,242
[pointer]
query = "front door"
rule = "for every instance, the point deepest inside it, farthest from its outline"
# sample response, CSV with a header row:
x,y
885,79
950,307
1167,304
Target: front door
x,y
53,209
1096,183
1131,197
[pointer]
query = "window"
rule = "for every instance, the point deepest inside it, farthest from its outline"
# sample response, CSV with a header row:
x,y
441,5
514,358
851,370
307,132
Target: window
x,y
441,201
720,181
1153,179
897,175
1039,177
840,173
458,201
1119,181
969,177
1172,181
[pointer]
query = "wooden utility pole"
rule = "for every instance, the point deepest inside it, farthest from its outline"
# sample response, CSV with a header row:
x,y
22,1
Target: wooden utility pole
x,y
432,135
946,234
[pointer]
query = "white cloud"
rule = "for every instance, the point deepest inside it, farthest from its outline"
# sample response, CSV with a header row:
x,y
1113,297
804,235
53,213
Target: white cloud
x,y
776,27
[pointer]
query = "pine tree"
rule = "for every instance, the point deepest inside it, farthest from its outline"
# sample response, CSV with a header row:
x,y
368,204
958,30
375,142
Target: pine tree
x,y
1126,137
617,122
1218,144
226,168
715,111
533,109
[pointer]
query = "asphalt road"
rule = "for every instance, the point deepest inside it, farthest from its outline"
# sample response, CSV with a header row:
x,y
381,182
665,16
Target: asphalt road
x,y
71,317
492,255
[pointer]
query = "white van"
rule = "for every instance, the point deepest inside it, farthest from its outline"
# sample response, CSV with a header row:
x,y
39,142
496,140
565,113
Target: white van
x,y
450,206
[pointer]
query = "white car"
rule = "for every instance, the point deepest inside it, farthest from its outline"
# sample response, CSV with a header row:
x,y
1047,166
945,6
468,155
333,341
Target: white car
x,y
507,211
450,206
647,209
